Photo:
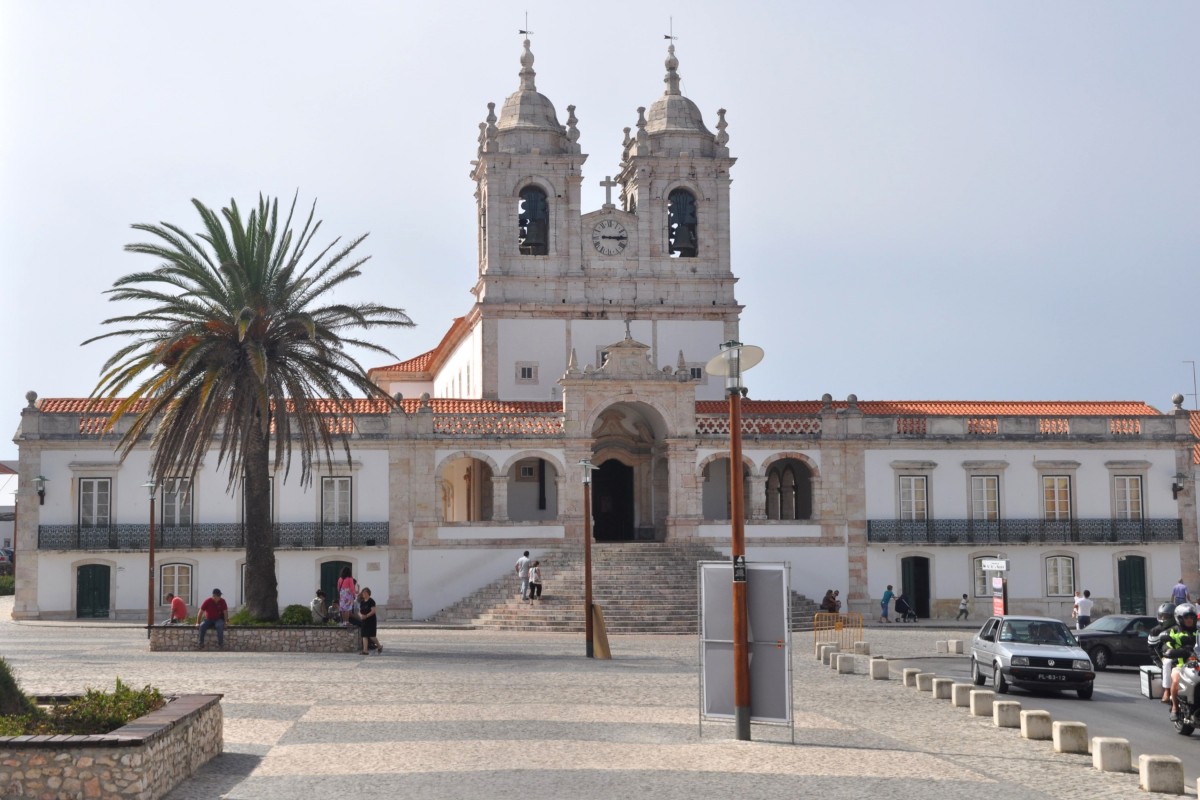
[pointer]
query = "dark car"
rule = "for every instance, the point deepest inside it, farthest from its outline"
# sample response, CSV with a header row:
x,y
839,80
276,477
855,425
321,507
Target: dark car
x,y
1032,653
1118,639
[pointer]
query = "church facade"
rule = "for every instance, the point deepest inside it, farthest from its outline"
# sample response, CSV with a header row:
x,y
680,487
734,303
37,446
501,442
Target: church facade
x,y
587,341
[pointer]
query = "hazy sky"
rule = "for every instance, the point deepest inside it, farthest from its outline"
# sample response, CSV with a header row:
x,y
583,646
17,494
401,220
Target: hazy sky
x,y
932,200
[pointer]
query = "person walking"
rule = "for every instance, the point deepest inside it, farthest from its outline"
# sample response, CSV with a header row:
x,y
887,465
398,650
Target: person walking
x,y
883,604
522,569
1084,608
963,609
1180,593
535,581
368,622
347,589
214,613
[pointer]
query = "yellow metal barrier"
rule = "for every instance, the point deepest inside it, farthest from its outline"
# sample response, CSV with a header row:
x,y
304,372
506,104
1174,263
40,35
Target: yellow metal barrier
x,y
840,629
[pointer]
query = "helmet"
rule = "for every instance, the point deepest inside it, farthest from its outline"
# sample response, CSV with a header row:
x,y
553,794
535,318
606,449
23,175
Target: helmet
x,y
1166,612
1185,610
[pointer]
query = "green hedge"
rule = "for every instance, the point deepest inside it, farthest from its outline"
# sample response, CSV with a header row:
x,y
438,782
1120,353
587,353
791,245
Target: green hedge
x,y
8,585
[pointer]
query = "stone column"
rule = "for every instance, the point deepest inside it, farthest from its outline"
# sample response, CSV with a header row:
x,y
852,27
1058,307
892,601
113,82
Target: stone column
x,y
757,501
25,531
500,498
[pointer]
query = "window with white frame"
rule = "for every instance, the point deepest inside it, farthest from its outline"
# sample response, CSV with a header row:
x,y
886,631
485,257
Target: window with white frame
x,y
335,501
527,372
913,499
985,497
695,372
1060,576
1056,497
175,579
177,503
983,586
1127,496
95,502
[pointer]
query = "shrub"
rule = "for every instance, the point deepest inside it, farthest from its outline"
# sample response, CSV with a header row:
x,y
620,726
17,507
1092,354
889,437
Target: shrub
x,y
296,615
101,712
8,585
242,617
13,701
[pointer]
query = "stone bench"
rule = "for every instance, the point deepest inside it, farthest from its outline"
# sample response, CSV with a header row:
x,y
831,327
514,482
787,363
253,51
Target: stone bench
x,y
260,639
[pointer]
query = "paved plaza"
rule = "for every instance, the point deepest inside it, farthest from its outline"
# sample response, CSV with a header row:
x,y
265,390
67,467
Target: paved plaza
x,y
464,714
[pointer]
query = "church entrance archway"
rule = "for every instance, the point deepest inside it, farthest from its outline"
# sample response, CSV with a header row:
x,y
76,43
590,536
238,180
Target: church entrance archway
x,y
612,502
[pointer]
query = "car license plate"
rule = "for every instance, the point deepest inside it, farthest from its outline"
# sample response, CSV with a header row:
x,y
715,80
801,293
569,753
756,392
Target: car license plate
x,y
1050,676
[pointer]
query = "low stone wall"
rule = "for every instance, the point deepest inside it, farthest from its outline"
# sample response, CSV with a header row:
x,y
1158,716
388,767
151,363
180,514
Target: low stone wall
x,y
256,639
144,760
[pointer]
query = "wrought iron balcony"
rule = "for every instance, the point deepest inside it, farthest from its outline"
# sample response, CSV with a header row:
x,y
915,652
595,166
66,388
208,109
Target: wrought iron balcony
x,y
1024,531
231,535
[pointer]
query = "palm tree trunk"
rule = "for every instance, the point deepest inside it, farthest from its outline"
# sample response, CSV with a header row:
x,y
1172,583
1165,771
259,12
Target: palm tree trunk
x,y
262,590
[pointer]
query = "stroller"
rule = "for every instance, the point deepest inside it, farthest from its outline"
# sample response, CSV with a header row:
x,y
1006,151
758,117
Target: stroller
x,y
904,610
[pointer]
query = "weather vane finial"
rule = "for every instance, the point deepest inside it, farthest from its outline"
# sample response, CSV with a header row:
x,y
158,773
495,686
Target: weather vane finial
x,y
671,28
525,31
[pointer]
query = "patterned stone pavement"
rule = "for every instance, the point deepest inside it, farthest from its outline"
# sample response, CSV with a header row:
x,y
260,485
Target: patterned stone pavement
x,y
463,714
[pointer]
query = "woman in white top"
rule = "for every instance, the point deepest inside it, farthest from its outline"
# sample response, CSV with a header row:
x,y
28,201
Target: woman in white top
x,y
535,581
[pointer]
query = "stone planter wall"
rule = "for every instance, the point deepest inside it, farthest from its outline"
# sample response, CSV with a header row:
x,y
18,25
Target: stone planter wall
x,y
255,639
144,760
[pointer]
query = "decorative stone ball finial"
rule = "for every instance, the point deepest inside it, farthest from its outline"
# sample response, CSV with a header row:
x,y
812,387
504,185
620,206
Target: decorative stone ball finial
x,y
1177,399
722,138
31,398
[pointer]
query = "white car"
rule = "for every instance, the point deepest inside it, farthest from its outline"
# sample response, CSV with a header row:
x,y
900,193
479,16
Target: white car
x,y
1032,653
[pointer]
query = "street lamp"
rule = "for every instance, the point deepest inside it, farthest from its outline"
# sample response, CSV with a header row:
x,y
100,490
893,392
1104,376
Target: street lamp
x,y
152,488
40,483
588,631
734,359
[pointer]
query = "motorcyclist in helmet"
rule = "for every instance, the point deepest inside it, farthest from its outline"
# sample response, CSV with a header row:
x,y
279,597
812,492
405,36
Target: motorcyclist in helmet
x,y
1181,644
1157,640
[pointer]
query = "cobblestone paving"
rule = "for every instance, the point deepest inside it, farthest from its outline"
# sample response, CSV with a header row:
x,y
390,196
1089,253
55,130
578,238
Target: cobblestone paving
x,y
463,714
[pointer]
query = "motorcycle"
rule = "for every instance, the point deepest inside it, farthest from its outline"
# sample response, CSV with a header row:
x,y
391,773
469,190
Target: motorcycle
x,y
1188,718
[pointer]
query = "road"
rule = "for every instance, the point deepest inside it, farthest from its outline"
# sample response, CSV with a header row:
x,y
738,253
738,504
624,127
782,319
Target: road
x,y
1116,709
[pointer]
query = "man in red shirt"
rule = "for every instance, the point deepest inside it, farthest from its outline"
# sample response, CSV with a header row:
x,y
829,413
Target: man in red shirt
x,y
178,609
213,614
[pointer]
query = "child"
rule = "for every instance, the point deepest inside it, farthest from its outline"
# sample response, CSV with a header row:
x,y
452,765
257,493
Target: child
x,y
320,613
963,610
535,581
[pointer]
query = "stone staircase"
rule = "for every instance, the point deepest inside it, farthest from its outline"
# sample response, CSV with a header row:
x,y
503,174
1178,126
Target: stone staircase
x,y
642,587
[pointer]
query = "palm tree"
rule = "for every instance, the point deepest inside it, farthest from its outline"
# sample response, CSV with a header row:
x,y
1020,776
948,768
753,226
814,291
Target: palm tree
x,y
235,351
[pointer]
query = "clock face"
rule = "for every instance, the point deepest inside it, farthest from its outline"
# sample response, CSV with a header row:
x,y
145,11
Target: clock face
x,y
609,237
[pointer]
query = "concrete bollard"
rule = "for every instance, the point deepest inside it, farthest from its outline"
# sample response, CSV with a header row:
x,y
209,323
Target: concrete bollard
x,y
1110,754
981,702
862,648
880,669
941,688
910,676
1160,774
925,681
845,664
960,694
1036,725
1070,737
956,646
942,647
826,651
1006,714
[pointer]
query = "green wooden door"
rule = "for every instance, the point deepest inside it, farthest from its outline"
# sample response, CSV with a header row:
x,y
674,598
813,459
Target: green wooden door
x,y
330,571
1131,584
91,591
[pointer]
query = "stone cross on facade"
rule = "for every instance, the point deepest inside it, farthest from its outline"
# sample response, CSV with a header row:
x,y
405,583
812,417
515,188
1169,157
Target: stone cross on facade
x,y
608,183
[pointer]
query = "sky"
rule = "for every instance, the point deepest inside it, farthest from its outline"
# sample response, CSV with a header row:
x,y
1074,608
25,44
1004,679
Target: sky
x,y
932,200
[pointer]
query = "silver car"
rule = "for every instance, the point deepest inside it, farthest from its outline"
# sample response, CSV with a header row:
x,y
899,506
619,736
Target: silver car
x,y
1032,653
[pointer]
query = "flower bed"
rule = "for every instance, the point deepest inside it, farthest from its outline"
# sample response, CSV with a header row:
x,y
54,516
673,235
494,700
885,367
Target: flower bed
x,y
260,638
143,760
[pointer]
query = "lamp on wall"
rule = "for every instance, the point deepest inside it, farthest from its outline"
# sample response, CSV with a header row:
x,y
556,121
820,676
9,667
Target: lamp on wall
x,y
1179,485
40,483
734,359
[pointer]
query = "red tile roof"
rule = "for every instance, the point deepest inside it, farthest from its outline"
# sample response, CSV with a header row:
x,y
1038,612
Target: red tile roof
x,y
954,408
1194,420
357,405
427,362
416,364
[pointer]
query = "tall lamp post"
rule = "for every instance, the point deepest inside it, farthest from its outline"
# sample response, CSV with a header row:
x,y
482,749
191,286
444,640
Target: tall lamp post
x,y
734,359
588,630
152,488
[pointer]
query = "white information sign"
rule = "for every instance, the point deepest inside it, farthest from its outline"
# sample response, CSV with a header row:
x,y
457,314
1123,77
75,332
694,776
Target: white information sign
x,y
994,564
